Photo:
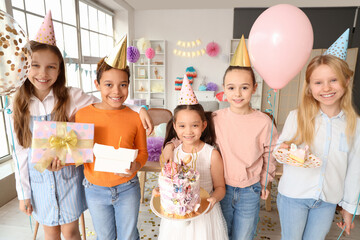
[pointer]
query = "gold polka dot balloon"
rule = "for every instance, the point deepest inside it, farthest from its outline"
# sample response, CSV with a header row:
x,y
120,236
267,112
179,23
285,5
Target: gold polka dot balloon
x,y
14,55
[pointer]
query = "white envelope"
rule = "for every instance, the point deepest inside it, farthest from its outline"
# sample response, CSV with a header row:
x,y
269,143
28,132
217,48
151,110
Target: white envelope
x,y
109,159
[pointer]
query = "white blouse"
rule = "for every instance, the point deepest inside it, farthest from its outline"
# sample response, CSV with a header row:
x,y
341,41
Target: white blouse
x,y
337,181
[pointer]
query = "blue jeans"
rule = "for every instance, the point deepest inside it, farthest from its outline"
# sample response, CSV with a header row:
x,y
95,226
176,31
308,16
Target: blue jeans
x,y
304,219
114,210
241,207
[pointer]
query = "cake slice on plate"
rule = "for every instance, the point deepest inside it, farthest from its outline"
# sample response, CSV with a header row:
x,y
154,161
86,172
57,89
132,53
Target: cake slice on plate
x,y
298,154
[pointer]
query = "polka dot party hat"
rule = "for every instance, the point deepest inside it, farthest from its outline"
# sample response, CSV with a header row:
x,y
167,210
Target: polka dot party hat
x,y
187,95
46,33
339,48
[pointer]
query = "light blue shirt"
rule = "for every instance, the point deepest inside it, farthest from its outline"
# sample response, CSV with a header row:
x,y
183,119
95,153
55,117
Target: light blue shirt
x,y
337,181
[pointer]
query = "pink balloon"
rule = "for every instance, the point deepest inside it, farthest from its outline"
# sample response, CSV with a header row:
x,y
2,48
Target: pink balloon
x,y
280,43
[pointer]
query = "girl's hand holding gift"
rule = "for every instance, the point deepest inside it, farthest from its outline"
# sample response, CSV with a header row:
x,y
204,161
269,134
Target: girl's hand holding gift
x,y
55,165
25,206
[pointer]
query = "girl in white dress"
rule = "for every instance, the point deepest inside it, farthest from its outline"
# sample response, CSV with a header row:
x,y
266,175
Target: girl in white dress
x,y
195,129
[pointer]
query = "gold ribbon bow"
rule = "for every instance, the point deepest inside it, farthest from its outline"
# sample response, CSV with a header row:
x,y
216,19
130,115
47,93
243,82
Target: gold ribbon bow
x,y
59,145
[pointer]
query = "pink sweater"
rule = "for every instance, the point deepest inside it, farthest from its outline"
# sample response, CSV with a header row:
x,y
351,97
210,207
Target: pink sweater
x,y
244,144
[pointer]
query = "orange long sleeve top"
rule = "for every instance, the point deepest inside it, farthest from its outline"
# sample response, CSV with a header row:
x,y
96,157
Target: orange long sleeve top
x,y
110,125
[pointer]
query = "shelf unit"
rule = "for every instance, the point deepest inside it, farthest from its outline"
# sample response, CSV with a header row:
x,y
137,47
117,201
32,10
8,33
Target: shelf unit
x,y
257,96
149,76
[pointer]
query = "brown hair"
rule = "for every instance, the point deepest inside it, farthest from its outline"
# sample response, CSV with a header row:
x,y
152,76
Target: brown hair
x,y
102,67
22,98
309,107
249,69
208,135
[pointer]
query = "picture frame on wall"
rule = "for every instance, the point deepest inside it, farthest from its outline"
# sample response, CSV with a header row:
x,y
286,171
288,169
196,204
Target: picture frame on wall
x,y
141,73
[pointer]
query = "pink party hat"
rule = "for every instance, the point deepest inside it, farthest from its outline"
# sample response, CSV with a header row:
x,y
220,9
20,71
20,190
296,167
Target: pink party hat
x,y
339,47
187,95
46,33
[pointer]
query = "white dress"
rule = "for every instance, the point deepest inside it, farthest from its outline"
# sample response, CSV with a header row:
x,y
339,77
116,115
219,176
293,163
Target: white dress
x,y
209,226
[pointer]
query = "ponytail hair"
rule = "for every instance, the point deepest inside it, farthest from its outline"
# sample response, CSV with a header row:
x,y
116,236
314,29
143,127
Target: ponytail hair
x,y
208,135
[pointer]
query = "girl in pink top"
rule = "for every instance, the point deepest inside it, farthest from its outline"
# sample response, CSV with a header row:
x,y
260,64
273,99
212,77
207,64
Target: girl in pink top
x,y
243,136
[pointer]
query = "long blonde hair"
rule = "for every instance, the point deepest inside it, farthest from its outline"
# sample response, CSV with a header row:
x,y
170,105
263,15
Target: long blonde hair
x,y
22,99
309,107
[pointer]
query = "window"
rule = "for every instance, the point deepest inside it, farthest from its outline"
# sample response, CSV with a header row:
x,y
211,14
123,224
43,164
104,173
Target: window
x,y
95,24
4,149
82,45
96,33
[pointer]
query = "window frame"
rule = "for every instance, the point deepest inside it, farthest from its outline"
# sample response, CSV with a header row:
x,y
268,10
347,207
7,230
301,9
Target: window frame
x,y
90,60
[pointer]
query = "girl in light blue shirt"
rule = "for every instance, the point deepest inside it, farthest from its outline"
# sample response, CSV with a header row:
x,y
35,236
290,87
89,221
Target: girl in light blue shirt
x,y
327,122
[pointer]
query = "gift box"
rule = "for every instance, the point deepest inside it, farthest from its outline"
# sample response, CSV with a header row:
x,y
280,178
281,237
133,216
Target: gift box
x,y
109,159
70,142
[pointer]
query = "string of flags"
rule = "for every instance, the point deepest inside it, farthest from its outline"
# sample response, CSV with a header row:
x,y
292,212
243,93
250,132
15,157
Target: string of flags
x,y
77,66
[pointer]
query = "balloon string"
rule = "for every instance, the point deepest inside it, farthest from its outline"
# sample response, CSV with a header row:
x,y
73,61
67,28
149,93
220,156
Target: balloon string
x,y
9,112
271,112
357,204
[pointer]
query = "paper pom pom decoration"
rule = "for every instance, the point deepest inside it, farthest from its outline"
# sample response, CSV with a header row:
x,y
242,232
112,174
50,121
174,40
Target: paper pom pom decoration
x,y
202,88
133,54
154,145
212,49
150,53
143,44
211,86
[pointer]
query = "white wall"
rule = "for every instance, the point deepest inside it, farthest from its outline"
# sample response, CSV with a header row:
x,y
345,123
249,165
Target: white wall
x,y
187,25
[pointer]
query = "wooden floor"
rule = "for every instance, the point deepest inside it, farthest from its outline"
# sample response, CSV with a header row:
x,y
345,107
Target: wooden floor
x,y
14,225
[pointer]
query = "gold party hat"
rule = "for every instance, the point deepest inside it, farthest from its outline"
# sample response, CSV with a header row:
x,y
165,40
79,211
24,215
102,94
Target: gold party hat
x,y
117,56
241,56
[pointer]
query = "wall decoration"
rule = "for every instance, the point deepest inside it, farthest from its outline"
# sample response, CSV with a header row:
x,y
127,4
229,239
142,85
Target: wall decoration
x,y
191,72
178,83
211,86
143,44
188,44
212,49
150,53
189,53
133,54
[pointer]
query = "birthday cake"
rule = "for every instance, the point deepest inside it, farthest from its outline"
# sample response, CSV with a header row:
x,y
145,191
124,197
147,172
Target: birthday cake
x,y
179,187
298,154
